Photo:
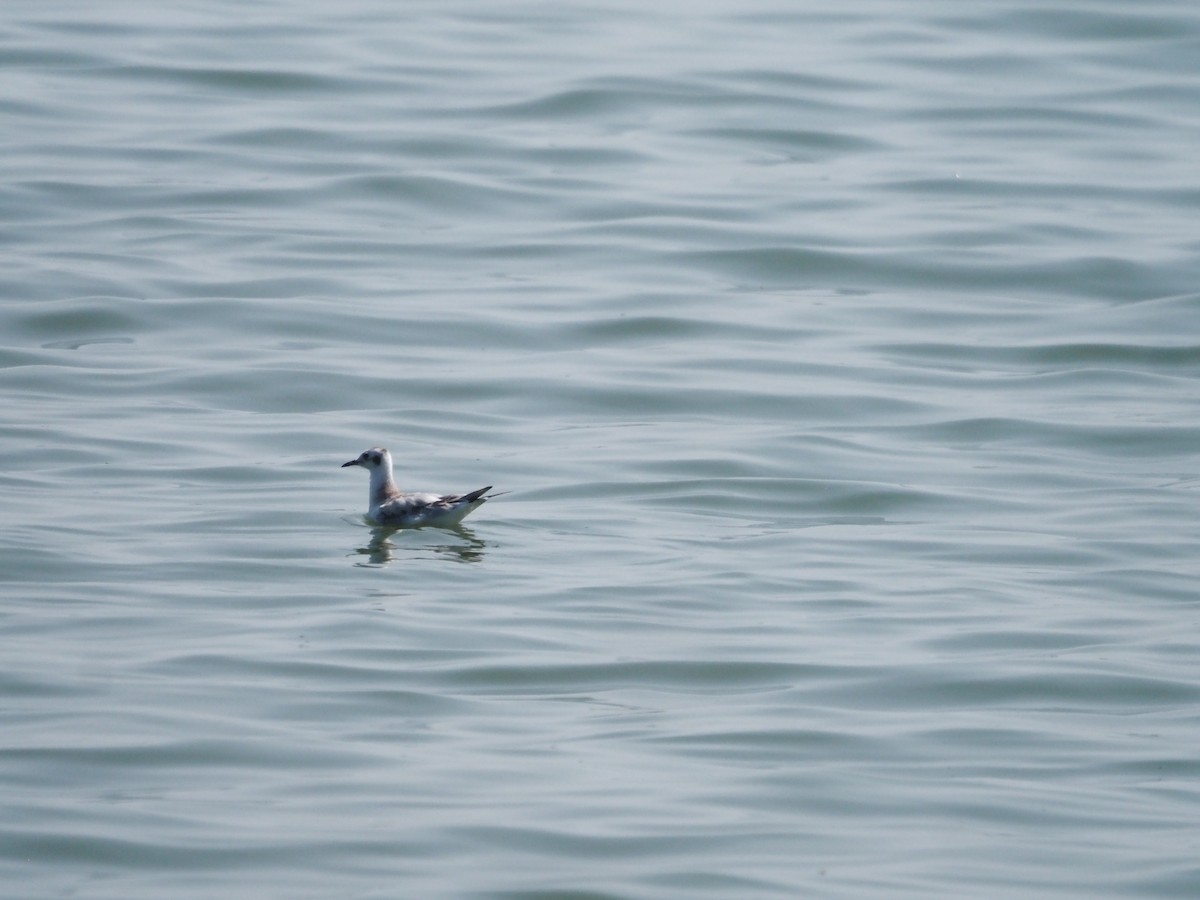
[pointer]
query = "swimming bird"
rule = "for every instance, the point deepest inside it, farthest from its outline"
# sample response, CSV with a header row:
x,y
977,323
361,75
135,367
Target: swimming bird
x,y
391,507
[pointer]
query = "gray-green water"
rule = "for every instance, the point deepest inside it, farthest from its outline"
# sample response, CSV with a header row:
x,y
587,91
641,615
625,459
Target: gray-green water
x,y
842,362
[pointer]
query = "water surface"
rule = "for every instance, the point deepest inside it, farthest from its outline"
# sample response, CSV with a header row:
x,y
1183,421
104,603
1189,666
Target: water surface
x,y
841,364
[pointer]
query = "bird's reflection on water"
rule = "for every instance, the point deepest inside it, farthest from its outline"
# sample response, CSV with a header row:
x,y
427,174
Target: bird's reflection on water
x,y
458,544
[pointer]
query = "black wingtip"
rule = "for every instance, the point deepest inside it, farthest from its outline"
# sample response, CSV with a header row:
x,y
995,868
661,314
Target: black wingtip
x,y
476,495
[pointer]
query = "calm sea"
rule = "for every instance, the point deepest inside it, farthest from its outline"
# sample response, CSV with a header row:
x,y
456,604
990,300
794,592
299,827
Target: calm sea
x,y
842,362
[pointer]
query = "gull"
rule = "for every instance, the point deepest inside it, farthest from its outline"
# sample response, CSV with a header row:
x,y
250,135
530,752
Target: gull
x,y
391,507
